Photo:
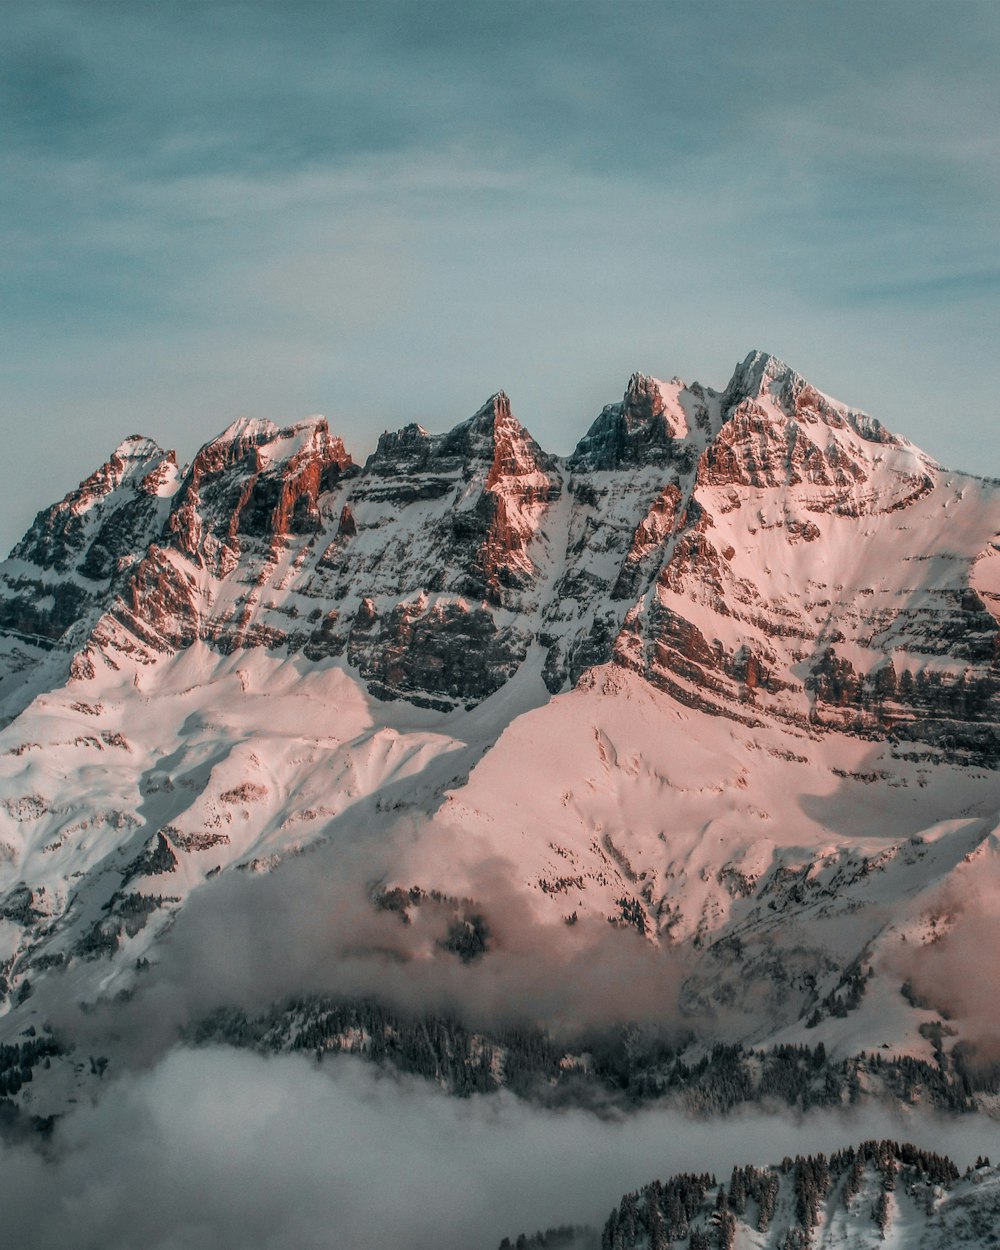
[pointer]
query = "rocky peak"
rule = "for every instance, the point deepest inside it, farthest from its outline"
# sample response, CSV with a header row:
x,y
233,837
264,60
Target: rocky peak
x,y
644,402
127,467
59,534
259,480
758,376
496,409
493,434
60,573
408,447
515,452
516,489
259,445
235,444
640,429
136,446
130,461
765,386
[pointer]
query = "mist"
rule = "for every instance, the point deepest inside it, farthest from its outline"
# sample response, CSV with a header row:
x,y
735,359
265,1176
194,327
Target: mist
x,y
215,1148
955,970
310,927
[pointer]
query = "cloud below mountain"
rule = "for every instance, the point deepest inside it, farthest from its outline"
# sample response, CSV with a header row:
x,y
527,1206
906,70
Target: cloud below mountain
x,y
311,928
957,972
220,1149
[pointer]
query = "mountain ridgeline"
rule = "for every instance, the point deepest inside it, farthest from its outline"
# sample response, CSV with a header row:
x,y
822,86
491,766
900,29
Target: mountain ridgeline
x,y
761,553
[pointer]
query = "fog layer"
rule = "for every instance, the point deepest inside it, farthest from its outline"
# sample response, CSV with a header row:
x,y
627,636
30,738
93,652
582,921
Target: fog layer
x,y
221,1149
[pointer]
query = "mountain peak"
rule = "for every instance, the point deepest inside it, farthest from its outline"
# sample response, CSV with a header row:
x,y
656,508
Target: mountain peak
x,y
268,445
258,480
129,462
639,428
137,447
647,400
759,375
764,378
245,430
480,436
496,408
640,384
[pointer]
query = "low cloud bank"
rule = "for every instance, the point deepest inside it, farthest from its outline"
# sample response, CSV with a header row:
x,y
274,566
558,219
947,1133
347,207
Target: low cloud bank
x,y
215,1149
310,928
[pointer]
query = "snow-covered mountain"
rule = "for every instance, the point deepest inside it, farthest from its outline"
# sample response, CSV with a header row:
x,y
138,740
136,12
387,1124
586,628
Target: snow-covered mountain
x,y
728,676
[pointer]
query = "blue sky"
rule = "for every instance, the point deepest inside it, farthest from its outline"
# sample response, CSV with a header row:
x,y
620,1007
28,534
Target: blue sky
x,y
387,211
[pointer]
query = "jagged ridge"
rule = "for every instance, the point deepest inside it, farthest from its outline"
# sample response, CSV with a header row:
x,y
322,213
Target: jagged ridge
x,y
712,541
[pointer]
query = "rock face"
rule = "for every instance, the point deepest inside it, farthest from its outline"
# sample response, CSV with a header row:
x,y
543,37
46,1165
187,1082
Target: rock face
x,y
68,568
759,552
255,481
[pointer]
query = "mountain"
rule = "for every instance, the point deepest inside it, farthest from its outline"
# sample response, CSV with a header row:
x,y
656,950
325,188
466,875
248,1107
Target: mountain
x,y
726,677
